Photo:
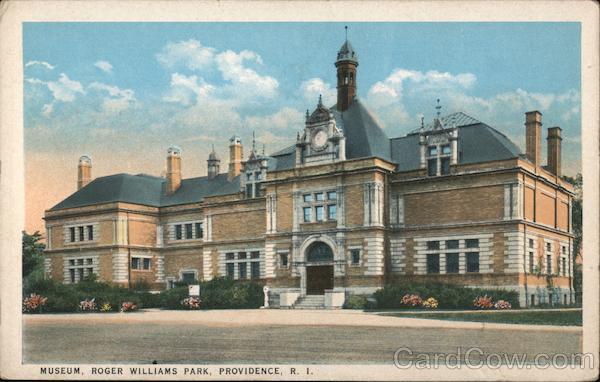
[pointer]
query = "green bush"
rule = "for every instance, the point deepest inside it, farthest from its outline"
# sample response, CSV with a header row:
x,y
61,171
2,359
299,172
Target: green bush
x,y
448,296
356,301
171,299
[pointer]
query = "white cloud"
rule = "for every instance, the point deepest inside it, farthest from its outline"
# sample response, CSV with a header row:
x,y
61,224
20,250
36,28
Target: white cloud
x,y
47,109
184,88
105,66
245,82
65,89
42,63
189,53
312,88
286,119
118,99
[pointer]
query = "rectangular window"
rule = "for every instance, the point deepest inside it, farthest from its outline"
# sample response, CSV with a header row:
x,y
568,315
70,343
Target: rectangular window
x,y
433,245
257,191
530,243
72,275
432,167
241,255
283,260
548,247
71,262
446,150
307,198
548,264
445,166
319,213
199,231
146,264
248,176
319,196
81,236
451,244
433,263
258,176
564,266
473,262
90,271
331,212
242,270
452,263
564,250
79,261
135,263
72,234
229,256
188,277
188,231
432,151
249,190
355,256
307,214
531,264
90,261
472,243
178,232
255,270
230,270
90,231
332,195
255,255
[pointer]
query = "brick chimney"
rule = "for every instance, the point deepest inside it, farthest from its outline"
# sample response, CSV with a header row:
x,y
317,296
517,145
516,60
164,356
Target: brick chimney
x,y
84,171
173,169
235,156
533,136
554,150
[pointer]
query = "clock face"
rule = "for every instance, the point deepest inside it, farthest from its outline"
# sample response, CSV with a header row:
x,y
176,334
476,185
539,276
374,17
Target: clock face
x,y
320,139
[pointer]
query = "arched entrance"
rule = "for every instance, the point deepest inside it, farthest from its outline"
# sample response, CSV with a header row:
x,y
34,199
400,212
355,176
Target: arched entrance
x,y
319,268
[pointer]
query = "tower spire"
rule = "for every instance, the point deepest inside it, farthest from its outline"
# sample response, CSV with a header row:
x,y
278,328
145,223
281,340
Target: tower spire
x,y
346,28
253,142
438,108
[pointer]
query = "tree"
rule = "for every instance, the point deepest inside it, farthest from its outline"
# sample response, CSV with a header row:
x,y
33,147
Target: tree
x,y
33,252
576,218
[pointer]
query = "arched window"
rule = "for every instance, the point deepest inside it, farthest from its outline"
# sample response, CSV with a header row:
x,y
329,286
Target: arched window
x,y
319,252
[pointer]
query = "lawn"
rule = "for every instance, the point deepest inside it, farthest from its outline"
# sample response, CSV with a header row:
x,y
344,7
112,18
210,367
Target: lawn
x,y
549,317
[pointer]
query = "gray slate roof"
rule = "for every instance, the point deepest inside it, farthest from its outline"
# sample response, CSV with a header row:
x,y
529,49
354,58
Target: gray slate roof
x,y
148,190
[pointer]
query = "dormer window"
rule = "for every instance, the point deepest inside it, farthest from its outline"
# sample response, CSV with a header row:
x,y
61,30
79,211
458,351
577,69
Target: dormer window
x,y
258,176
438,159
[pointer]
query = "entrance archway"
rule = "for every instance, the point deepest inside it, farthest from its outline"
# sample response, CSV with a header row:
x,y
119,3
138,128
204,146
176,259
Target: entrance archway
x,y
319,268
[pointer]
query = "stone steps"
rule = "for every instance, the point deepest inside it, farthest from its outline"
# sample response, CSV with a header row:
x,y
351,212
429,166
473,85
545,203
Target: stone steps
x,y
310,302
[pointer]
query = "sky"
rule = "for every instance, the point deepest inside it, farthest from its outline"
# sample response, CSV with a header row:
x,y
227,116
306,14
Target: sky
x,y
122,93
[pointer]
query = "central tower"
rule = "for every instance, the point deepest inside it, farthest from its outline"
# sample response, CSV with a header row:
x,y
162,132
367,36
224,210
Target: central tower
x,y
346,65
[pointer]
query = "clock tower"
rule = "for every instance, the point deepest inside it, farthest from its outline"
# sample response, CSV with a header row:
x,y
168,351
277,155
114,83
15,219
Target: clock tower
x,y
322,141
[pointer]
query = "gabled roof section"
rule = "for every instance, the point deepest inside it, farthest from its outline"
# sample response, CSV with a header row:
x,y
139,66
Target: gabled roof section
x,y
364,136
451,120
148,191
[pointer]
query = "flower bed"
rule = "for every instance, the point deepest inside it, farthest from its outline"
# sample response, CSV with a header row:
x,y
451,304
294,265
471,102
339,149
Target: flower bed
x,y
34,303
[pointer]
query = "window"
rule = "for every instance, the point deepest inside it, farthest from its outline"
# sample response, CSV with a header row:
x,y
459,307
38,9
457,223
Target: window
x,y
564,266
249,187
188,231
530,243
432,151
319,197
248,176
548,247
307,198
242,270
79,268
472,243
564,250
433,263
433,245
255,270
445,166
532,299
188,277
146,263
548,264
230,270
90,231
90,261
230,256
452,263
451,244
283,260
178,232
242,255
79,261
319,213
331,195
71,262
355,256
81,236
446,150
255,255
199,231
531,264
307,214
72,275
432,167
258,176
473,262
331,212
135,263
72,234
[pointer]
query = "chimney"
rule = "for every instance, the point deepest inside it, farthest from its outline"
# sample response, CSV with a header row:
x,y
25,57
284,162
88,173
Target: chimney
x,y
235,156
173,169
213,164
554,150
84,171
533,138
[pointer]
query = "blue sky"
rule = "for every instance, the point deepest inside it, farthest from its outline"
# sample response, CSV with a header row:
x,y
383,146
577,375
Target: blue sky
x,y
123,92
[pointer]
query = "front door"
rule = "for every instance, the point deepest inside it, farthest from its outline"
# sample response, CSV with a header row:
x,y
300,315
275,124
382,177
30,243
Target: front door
x,y
319,278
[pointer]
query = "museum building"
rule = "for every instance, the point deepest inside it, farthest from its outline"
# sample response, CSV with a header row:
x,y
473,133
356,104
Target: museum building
x,y
343,210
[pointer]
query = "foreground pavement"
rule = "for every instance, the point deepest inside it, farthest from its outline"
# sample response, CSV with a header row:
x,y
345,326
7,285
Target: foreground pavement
x,y
271,336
